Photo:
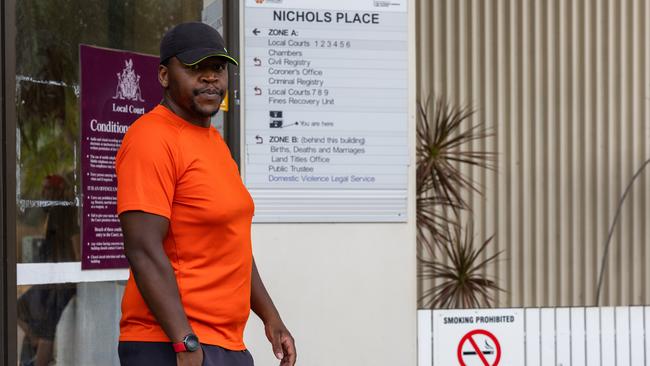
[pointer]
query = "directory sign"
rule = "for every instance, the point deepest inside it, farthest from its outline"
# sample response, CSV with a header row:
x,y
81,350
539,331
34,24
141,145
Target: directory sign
x,y
326,95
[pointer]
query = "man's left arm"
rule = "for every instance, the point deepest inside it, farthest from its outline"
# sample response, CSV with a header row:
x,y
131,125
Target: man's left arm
x,y
283,344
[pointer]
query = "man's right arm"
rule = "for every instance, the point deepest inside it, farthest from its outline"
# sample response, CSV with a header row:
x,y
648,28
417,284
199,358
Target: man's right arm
x,y
143,244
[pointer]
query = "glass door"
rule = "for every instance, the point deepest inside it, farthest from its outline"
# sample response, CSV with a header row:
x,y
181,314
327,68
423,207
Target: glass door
x,y
64,314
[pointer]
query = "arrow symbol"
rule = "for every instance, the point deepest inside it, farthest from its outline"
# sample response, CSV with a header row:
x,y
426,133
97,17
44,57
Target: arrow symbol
x,y
256,31
293,124
258,91
259,139
257,61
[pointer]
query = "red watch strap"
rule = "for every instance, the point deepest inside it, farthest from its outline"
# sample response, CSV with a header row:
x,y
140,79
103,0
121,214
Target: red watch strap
x,y
179,347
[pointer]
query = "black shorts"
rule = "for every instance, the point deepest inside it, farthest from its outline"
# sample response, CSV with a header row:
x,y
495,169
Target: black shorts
x,y
162,354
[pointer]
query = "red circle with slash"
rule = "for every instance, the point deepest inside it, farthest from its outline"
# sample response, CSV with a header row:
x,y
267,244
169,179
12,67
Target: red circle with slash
x,y
469,337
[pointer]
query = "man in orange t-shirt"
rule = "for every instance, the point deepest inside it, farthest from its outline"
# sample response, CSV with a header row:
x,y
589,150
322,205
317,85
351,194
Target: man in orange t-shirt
x,y
186,219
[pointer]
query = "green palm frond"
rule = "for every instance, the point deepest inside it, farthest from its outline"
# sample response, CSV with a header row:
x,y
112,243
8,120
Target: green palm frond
x,y
460,272
445,134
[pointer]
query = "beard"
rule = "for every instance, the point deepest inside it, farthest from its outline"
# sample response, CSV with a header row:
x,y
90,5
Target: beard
x,y
204,111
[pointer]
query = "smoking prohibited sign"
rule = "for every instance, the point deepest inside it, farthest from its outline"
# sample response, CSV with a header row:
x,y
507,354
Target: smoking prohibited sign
x,y
479,347
478,337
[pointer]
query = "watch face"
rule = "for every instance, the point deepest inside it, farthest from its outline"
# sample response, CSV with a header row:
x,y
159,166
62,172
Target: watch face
x,y
191,342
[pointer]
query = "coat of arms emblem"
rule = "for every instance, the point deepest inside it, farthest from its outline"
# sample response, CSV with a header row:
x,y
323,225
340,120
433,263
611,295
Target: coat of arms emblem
x,y
128,83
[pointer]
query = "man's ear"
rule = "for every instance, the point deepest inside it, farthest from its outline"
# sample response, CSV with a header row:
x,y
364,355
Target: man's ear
x,y
163,76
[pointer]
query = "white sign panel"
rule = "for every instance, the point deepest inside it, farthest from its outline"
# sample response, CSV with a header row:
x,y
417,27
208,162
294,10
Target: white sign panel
x,y
478,337
326,109
550,336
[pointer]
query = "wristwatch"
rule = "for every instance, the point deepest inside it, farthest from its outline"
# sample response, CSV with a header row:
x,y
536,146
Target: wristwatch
x,y
190,343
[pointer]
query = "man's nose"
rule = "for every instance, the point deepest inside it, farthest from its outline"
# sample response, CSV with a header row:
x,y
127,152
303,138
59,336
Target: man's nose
x,y
209,76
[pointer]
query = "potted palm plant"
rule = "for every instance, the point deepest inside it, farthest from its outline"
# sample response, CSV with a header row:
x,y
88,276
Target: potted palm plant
x,y
449,262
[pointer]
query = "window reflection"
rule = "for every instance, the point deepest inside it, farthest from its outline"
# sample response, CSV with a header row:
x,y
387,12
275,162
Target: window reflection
x,y
68,324
47,104
38,312
53,225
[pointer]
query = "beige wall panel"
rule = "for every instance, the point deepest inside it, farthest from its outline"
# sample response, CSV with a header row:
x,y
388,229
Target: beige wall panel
x,y
565,87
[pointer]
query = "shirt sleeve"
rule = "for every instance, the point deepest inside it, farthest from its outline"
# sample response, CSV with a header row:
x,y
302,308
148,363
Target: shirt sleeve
x,y
146,172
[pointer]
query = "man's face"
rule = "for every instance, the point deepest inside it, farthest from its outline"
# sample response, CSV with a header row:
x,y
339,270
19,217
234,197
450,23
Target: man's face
x,y
199,89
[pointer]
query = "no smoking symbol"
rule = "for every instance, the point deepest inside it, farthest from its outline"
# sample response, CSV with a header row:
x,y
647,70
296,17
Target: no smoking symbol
x,y
479,347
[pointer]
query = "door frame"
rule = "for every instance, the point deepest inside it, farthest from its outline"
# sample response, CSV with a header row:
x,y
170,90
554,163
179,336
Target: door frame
x,y
232,123
8,341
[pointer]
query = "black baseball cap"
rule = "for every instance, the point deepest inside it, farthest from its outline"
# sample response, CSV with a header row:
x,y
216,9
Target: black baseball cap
x,y
192,43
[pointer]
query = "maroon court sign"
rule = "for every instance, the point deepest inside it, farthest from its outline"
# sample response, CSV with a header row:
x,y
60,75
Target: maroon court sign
x,y
117,87
479,347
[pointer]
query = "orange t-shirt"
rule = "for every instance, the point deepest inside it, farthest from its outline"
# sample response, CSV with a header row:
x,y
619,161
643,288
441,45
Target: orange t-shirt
x,y
172,168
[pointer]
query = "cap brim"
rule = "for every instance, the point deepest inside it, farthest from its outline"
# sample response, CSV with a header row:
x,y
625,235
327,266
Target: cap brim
x,y
195,56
